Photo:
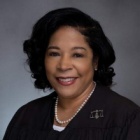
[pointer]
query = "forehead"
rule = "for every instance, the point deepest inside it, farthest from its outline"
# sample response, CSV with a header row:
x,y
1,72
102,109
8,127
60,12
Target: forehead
x,y
68,36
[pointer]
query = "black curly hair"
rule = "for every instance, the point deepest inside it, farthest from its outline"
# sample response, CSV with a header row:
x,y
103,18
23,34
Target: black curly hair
x,y
35,46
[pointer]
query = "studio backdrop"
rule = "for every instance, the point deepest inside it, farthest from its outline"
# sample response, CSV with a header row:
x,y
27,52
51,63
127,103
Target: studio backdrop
x,y
120,20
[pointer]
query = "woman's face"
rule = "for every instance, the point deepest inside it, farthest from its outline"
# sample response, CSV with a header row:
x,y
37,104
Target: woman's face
x,y
69,63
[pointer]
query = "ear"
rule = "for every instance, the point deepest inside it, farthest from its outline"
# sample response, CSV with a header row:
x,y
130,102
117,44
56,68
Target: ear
x,y
95,63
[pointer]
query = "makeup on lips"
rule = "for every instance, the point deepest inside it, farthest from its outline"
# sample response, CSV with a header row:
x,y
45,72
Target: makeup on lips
x,y
66,81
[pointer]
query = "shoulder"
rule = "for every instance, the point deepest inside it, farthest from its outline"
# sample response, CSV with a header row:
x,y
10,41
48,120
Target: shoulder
x,y
30,115
40,102
114,100
34,111
118,110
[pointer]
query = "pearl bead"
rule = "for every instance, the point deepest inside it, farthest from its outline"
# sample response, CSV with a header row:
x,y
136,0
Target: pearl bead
x,y
81,106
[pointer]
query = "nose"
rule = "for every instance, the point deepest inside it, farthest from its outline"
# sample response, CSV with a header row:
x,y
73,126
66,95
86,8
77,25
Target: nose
x,y
64,64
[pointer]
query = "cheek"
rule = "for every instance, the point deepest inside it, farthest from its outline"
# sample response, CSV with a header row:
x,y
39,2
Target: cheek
x,y
49,67
85,68
49,73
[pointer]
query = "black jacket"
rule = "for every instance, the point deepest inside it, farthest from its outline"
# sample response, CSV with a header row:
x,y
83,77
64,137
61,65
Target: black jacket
x,y
106,116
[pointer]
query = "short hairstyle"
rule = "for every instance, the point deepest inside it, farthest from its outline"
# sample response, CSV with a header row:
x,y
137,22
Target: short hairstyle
x,y
35,46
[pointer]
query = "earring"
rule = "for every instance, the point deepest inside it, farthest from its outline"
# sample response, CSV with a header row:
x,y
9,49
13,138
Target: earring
x,y
95,69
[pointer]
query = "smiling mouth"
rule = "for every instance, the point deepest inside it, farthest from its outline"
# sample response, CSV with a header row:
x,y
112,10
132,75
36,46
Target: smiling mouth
x,y
66,81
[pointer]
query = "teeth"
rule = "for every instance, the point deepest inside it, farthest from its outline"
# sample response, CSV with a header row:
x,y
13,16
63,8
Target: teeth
x,y
66,79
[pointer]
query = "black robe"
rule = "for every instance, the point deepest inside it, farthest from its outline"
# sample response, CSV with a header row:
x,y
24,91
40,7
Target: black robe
x,y
106,116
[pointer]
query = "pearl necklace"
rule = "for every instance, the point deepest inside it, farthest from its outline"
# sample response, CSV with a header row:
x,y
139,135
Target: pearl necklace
x,y
81,106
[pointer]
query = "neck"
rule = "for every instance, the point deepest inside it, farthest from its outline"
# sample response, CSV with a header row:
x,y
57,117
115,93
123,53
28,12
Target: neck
x,y
74,102
64,115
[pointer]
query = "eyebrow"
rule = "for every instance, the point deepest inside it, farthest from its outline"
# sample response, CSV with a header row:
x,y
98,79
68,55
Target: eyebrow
x,y
74,48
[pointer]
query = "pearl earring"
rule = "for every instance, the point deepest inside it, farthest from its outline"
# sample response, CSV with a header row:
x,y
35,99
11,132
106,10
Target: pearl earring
x,y
95,69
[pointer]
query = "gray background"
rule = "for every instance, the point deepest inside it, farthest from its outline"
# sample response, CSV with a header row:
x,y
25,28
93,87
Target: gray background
x,y
120,20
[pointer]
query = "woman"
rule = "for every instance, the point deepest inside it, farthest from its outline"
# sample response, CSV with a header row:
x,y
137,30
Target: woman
x,y
69,52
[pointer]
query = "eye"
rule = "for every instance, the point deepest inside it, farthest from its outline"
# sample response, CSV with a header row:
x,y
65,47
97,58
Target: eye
x,y
53,54
78,55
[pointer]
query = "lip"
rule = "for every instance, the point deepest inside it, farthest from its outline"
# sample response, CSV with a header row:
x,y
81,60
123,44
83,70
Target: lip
x,y
66,81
